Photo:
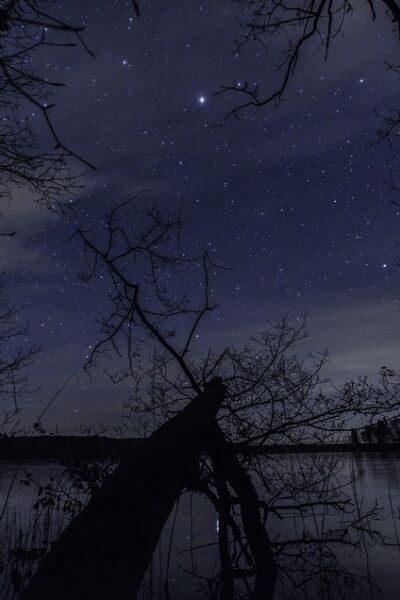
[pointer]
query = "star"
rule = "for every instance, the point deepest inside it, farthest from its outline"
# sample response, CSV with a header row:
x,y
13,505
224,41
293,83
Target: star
x,y
202,100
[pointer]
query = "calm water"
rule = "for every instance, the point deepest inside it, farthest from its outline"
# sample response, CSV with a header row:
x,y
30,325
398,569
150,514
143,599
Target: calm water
x,y
194,524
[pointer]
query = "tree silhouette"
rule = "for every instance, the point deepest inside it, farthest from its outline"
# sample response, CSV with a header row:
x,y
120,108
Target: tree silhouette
x,y
384,431
40,165
354,437
271,396
15,357
298,24
261,396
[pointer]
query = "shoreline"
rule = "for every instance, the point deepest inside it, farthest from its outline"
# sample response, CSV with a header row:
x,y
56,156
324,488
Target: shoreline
x,y
52,448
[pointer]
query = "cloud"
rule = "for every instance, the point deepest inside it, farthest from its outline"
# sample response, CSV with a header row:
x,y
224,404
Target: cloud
x,y
362,337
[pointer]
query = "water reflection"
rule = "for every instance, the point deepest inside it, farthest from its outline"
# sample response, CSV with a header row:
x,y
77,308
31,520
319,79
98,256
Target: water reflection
x,y
194,551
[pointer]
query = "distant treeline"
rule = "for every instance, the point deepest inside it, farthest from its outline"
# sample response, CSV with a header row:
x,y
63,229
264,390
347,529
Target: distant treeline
x,y
382,432
59,447
375,437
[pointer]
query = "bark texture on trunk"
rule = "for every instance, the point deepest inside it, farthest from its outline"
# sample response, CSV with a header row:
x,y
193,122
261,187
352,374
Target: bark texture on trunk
x,y
106,550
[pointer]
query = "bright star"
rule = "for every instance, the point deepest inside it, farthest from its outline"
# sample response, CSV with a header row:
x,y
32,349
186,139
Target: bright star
x,y
202,99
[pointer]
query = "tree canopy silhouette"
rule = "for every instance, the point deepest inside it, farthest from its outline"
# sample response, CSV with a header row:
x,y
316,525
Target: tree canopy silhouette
x,y
266,397
297,24
29,158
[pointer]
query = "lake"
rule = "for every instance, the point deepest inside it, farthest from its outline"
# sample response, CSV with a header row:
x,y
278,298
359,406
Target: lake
x,y
188,543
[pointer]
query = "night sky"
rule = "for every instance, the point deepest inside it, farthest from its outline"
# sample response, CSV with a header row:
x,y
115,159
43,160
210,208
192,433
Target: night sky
x,y
292,198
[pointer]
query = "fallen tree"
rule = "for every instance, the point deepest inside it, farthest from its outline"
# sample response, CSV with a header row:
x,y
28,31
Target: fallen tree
x,y
210,409
106,550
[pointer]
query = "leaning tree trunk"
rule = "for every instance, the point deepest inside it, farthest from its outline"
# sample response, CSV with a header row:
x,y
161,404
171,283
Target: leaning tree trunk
x,y
106,550
228,466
